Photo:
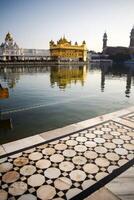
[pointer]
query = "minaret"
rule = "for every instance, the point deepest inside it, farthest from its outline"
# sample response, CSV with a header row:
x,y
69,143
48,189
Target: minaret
x,y
132,38
104,41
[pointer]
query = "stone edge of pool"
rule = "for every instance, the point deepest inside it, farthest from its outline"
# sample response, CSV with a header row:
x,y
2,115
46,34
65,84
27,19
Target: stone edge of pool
x,y
118,116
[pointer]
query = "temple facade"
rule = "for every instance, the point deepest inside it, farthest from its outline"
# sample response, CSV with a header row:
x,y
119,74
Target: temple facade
x,y
10,51
65,50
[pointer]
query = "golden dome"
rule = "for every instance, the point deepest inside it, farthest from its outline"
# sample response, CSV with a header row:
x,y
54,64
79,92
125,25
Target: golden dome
x,y
8,37
83,42
63,40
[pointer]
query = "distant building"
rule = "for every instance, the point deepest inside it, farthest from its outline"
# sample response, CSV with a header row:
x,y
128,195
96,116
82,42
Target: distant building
x,y
112,51
10,51
131,46
65,50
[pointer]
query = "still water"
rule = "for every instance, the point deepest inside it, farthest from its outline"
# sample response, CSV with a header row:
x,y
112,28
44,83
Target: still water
x,y
45,98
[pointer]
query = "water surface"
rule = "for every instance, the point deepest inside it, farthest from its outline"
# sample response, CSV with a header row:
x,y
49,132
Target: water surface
x,y
45,98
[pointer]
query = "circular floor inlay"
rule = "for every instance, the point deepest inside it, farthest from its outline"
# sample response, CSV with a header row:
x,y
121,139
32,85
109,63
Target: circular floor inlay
x,y
109,145
27,170
87,183
54,142
130,156
99,140
121,151
115,133
125,137
71,142
98,132
106,129
79,160
35,156
122,162
48,151
90,144
17,188
77,175
81,139
129,146
20,161
90,168
111,168
118,141
3,195
43,164
102,162
90,135
66,166
100,149
60,147
52,172
100,175
63,183
131,133
80,148
27,197
69,153
72,192
10,177
76,134
46,192
57,158
132,141
29,150
122,130
16,155
90,154
112,156
107,136
36,180
64,138
5,167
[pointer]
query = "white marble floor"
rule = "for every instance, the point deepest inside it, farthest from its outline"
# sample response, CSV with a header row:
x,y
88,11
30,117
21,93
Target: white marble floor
x,y
70,165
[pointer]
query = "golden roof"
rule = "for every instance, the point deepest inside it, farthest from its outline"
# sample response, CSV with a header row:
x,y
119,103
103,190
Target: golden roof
x,y
63,40
8,37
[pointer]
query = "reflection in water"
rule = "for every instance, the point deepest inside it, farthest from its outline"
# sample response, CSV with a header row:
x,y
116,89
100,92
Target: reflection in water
x,y
4,93
104,70
12,75
6,124
107,72
128,83
64,75
37,103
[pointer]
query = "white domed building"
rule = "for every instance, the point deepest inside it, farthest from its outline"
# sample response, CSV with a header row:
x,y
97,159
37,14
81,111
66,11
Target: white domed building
x,y
10,51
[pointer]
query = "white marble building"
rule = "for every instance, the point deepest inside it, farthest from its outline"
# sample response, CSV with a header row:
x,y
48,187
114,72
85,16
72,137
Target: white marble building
x,y
10,51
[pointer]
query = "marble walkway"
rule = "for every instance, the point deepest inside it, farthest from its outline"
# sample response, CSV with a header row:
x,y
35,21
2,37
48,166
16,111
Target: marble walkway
x,y
68,163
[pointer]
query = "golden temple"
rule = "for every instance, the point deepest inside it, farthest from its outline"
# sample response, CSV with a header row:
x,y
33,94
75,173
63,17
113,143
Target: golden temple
x,y
64,76
65,50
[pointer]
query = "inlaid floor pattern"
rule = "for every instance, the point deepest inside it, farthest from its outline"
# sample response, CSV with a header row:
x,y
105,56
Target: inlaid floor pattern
x,y
129,117
63,168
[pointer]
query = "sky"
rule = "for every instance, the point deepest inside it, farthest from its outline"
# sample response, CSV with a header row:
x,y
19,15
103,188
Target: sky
x,y
33,23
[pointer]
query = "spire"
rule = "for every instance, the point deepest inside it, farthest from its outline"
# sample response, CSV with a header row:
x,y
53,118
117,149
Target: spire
x,y
104,40
132,38
105,35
